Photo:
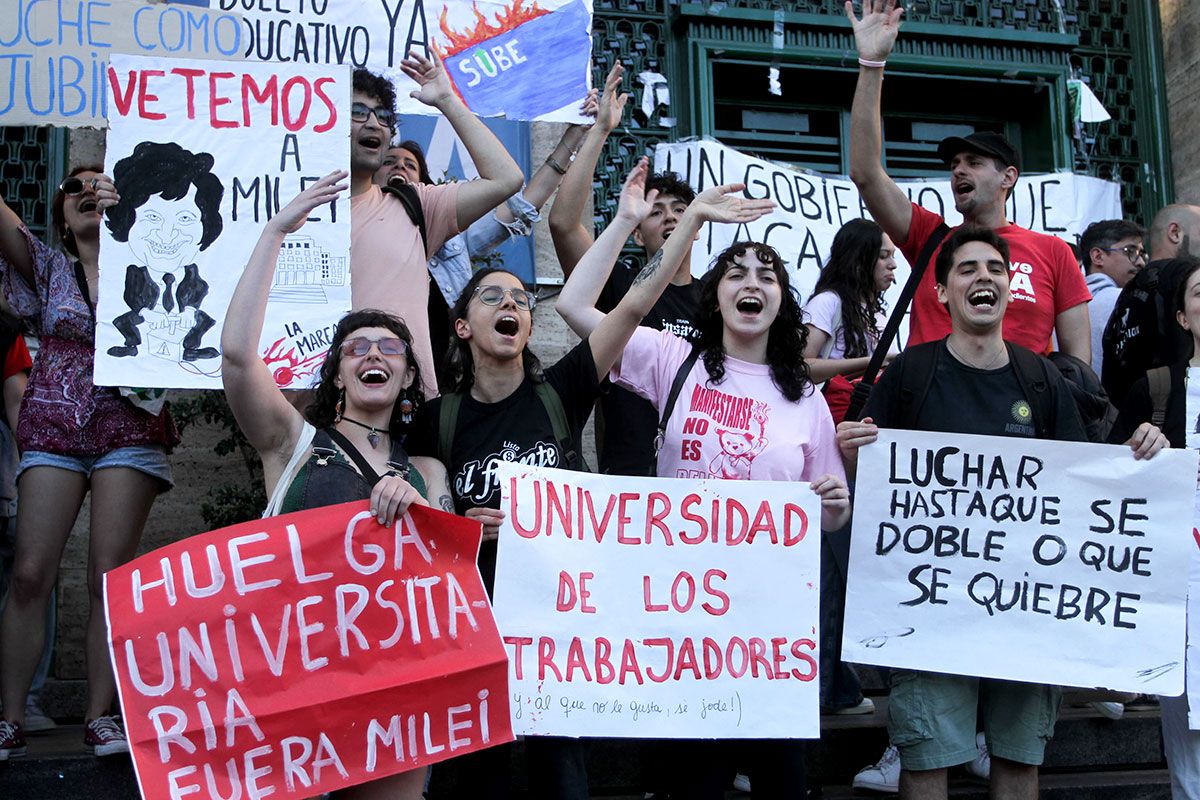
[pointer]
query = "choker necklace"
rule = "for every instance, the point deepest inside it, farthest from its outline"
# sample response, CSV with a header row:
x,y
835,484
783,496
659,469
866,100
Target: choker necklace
x,y
373,433
990,365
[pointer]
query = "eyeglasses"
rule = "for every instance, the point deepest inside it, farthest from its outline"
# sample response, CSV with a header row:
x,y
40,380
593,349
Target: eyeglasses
x,y
1132,251
360,111
359,346
72,186
494,296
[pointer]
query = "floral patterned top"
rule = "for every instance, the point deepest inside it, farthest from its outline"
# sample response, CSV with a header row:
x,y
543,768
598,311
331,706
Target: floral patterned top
x,y
63,411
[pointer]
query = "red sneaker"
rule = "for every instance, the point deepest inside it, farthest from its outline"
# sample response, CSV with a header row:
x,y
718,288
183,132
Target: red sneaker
x,y
104,736
12,740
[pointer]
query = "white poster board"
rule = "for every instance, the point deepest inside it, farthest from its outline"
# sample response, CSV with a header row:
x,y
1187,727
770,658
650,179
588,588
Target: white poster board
x,y
659,608
203,153
1027,560
810,208
1192,431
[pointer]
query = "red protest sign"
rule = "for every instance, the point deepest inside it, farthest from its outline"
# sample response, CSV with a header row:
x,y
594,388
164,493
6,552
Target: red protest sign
x,y
304,653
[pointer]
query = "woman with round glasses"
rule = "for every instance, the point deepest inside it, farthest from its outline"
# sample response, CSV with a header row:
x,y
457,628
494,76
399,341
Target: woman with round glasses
x,y
504,406
348,443
74,437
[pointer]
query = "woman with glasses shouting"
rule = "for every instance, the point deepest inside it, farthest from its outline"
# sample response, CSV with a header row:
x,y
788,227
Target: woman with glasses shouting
x,y
505,407
347,445
74,437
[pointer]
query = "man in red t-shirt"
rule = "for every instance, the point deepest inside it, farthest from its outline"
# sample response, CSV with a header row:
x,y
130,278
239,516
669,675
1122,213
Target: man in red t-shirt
x,y
1049,295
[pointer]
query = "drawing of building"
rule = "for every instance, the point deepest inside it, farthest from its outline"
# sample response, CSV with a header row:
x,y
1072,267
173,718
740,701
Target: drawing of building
x,y
303,269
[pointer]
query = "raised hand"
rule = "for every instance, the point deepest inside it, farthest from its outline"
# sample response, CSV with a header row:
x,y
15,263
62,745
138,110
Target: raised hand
x,y
612,103
292,217
720,204
875,34
105,190
432,81
635,205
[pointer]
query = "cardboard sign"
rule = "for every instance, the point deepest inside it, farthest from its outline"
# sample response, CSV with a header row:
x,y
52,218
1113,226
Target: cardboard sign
x,y
203,154
517,58
304,653
659,608
810,208
53,56
1027,560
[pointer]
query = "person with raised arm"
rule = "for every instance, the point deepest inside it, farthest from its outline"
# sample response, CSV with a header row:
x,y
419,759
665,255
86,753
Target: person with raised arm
x,y
347,445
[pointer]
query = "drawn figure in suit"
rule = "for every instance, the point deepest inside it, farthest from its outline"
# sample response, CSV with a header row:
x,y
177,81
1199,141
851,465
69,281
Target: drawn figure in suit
x,y
169,211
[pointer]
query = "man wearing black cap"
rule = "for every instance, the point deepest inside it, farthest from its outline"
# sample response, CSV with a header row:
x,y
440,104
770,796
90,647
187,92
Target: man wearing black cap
x,y
1048,290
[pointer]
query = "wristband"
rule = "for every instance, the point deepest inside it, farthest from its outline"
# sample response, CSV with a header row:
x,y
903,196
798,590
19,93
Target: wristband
x,y
865,62
552,162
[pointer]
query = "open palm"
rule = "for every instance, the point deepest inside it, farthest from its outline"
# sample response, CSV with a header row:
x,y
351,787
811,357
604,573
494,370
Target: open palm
x,y
875,34
722,204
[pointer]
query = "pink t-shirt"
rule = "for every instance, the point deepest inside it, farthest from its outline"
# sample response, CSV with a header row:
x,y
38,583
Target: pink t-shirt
x,y
389,270
741,429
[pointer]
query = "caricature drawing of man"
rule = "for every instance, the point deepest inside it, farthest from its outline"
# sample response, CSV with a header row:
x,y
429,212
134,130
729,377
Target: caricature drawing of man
x,y
170,210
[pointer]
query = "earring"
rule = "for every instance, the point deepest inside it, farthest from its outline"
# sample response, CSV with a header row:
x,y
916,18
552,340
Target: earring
x,y
339,406
406,406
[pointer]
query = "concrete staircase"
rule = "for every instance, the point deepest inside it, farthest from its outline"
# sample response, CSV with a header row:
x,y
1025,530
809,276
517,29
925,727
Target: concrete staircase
x,y
1090,758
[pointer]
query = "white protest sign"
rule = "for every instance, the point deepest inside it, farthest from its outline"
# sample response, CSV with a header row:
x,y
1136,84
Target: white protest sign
x,y
1192,432
667,608
1027,560
517,58
203,154
811,207
53,55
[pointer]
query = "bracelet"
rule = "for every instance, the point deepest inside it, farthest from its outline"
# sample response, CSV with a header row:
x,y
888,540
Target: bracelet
x,y
863,62
553,164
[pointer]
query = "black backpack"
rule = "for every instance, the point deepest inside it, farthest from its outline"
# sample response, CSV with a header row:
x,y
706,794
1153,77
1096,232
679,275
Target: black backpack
x,y
408,196
1141,333
1097,413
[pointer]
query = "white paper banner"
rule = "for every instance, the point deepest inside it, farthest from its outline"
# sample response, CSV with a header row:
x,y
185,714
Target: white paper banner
x,y
651,608
811,207
1192,432
518,58
1038,561
203,153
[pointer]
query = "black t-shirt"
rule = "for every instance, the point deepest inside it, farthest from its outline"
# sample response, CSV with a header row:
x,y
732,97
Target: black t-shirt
x,y
625,423
962,399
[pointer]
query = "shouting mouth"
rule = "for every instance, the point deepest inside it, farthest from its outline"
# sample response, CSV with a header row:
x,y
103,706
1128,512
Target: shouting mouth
x,y
986,297
750,305
508,325
374,376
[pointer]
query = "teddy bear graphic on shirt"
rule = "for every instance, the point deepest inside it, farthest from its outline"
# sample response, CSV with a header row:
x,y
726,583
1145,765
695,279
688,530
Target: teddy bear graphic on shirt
x,y
740,448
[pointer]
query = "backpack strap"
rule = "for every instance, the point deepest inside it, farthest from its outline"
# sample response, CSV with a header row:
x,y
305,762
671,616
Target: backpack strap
x,y
1031,371
1159,380
448,425
558,421
859,399
407,195
917,366
681,374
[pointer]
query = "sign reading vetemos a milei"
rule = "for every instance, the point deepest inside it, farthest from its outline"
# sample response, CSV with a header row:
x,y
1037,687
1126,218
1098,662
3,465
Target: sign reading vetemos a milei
x,y
518,58
658,607
1027,560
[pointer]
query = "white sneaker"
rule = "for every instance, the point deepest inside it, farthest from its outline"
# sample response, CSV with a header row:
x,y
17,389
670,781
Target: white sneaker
x,y
865,706
741,782
36,720
981,767
1109,710
884,776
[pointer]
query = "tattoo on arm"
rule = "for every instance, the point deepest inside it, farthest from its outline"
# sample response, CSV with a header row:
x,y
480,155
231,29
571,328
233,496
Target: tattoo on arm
x,y
446,503
651,267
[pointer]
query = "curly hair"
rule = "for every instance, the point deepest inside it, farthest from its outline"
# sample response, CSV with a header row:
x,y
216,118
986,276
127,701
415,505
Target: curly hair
x,y
375,86
322,411
58,216
670,183
165,168
419,155
458,369
850,274
786,337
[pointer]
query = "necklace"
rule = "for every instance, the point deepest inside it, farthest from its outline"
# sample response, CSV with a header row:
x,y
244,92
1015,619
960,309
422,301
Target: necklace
x,y
996,358
373,433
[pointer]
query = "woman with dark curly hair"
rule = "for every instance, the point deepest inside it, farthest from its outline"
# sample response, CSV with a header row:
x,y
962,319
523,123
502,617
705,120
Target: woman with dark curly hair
x,y
75,437
751,413
348,443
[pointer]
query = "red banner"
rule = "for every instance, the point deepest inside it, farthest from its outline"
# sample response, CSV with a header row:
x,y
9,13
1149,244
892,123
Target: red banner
x,y
304,653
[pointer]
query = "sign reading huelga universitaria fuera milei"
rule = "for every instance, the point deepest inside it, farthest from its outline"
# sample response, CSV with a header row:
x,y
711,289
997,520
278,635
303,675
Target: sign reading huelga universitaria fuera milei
x,y
659,608
1040,561
300,654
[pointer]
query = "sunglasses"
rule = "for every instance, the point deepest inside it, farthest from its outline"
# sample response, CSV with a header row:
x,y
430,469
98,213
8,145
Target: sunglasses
x,y
494,296
1132,251
359,346
360,111
72,186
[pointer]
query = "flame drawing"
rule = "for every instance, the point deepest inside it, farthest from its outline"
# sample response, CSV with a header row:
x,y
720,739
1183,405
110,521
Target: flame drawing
x,y
288,367
507,20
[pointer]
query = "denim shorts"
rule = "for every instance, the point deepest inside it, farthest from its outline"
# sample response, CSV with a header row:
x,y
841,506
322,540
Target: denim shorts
x,y
932,718
149,459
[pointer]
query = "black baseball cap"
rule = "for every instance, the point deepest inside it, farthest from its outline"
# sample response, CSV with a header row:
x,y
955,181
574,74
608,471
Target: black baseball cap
x,y
988,143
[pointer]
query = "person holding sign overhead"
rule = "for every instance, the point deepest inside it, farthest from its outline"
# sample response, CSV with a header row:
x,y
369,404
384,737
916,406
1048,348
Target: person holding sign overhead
x,y
972,382
75,437
736,402
347,444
